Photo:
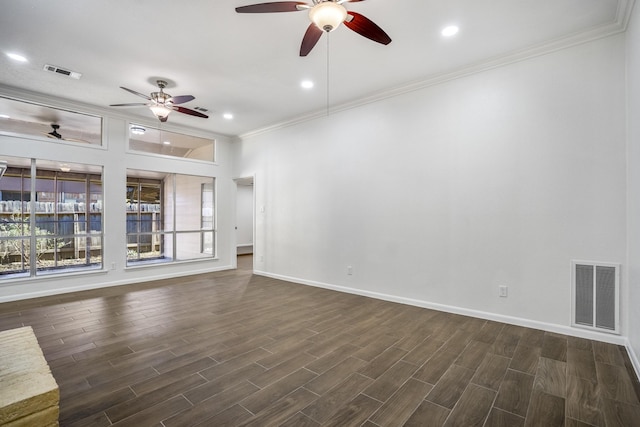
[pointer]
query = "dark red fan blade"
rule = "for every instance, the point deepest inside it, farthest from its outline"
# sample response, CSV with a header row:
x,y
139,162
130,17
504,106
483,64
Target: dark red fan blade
x,y
277,6
135,104
182,99
189,112
310,39
136,93
366,28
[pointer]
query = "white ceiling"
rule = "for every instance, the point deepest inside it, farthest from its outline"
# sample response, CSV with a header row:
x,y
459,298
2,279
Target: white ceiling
x,y
248,64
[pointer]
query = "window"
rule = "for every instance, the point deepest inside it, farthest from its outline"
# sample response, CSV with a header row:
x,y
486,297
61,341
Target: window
x,y
59,215
157,141
206,237
170,217
144,219
26,118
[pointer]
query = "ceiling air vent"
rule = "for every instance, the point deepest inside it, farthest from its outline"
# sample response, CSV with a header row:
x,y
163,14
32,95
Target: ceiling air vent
x,y
58,70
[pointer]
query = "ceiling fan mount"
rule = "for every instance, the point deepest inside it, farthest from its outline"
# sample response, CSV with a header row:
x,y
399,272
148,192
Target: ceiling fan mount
x,y
325,16
54,133
57,135
160,97
161,103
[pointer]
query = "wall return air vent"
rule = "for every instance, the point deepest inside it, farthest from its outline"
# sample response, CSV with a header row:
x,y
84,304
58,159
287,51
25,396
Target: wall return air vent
x,y
62,71
595,293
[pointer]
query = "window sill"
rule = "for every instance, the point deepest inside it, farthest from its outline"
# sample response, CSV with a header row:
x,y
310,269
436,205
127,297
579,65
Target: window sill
x,y
52,276
158,264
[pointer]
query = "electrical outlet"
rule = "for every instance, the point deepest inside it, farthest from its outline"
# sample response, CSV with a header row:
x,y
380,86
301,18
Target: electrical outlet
x,y
502,291
261,258
113,265
349,270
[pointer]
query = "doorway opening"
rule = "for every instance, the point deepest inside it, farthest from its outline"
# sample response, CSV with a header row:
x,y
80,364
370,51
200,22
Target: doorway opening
x,y
244,223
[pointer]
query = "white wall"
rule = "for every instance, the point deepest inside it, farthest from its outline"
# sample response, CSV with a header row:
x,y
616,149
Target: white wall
x,y
115,159
438,196
633,82
244,215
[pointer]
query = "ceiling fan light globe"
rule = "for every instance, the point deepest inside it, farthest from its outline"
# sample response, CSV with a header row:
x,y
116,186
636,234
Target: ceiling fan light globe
x,y
328,15
160,111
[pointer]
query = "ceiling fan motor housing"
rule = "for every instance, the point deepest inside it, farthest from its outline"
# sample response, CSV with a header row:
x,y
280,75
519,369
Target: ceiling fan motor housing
x,y
160,97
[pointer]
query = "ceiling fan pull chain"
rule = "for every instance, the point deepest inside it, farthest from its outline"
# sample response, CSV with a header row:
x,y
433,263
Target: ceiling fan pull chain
x,y
328,36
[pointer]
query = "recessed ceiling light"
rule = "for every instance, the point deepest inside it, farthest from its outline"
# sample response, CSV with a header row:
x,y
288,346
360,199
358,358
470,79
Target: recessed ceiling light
x,y
167,143
306,84
228,116
449,31
17,57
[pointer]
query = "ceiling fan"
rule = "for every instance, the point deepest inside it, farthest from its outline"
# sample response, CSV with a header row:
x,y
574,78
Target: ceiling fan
x,y
161,103
325,15
54,134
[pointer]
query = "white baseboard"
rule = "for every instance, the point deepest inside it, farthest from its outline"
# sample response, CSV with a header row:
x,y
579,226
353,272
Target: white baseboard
x,y
566,330
634,359
535,324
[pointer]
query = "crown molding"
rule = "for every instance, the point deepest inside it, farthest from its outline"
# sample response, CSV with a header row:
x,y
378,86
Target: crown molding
x,y
617,26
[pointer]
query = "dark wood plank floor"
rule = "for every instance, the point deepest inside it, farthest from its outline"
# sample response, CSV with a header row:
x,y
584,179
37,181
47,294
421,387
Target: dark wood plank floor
x,y
231,349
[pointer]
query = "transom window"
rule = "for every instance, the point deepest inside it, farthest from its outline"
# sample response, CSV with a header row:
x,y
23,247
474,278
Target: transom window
x,y
150,140
19,118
